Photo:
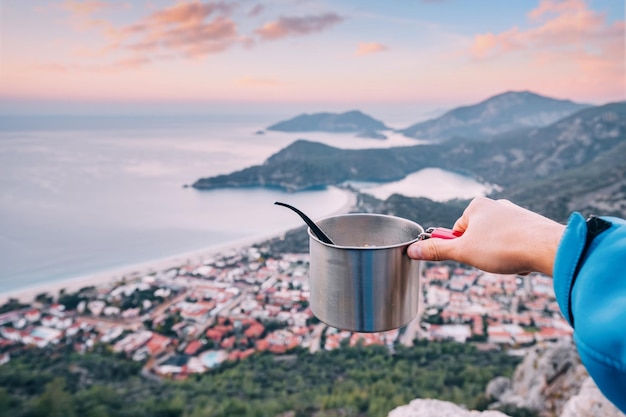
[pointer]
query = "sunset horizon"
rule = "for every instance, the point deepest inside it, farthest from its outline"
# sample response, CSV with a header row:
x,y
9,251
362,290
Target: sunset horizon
x,y
431,53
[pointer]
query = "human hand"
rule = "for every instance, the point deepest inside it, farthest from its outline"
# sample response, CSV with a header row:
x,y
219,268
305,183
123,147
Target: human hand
x,y
498,236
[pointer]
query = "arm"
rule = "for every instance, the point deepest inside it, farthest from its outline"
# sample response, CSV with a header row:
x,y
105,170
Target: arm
x,y
590,287
589,269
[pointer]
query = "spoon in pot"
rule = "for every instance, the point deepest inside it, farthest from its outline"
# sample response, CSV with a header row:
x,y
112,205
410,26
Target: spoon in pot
x,y
314,228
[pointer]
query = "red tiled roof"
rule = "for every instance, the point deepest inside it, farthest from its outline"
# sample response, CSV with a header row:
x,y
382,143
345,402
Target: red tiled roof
x,y
157,343
254,331
214,334
262,345
193,347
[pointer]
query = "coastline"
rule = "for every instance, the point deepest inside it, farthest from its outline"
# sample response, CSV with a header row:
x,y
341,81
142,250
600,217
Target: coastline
x,y
28,294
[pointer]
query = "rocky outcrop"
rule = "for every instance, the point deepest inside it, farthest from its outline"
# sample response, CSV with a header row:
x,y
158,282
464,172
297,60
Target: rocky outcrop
x,y
551,381
590,402
549,375
497,387
435,408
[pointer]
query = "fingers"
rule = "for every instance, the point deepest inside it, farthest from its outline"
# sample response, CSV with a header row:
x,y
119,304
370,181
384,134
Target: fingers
x,y
463,222
432,250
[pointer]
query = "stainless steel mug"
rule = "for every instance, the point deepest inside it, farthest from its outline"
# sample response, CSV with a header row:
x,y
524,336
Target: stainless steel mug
x,y
365,281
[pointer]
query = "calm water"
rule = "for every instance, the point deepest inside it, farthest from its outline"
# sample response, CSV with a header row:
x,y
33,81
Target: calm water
x,y
433,183
87,194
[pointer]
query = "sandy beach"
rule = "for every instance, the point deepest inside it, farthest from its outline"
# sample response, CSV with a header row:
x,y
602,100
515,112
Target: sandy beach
x,y
137,270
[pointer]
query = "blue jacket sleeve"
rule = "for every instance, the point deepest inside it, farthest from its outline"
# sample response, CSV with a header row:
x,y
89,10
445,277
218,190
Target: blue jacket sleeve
x,y
590,287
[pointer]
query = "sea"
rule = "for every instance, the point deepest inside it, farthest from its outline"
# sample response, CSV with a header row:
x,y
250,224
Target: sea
x,y
81,195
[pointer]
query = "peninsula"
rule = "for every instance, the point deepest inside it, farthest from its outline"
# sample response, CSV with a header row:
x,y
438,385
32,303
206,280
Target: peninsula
x,y
575,163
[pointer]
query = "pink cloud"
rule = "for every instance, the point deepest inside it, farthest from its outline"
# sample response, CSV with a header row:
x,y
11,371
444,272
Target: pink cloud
x,y
492,44
567,24
186,29
367,48
547,7
565,33
188,14
292,26
215,35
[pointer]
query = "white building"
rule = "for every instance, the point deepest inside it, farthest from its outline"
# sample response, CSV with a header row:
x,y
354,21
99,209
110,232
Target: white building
x,y
457,332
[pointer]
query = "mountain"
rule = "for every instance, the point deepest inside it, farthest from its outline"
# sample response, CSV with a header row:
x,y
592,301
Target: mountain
x,y
551,169
352,121
578,163
504,112
538,153
308,165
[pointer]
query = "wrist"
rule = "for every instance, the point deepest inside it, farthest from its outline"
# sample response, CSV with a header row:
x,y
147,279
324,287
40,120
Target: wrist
x,y
546,245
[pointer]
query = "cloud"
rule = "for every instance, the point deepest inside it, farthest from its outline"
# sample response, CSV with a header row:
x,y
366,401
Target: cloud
x,y
294,26
367,48
493,44
559,25
187,14
579,43
199,38
187,29
184,30
547,7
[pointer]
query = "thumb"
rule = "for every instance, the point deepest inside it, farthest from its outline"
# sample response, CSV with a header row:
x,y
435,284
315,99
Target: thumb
x,y
430,249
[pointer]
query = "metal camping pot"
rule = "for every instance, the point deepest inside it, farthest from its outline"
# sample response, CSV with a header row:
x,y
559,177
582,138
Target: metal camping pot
x,y
365,281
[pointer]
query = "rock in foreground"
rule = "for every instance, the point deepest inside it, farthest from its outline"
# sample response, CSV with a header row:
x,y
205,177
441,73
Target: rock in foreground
x,y
590,402
550,374
435,408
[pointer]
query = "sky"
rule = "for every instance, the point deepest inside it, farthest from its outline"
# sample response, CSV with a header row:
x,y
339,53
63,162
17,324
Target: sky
x,y
110,54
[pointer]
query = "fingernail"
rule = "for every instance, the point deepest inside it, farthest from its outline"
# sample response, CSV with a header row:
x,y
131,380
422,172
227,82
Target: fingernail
x,y
415,251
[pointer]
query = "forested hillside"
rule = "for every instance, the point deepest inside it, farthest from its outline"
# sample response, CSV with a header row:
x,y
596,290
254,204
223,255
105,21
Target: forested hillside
x,y
351,381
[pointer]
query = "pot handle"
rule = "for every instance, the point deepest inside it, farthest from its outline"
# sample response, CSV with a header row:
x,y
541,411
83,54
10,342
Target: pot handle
x,y
440,233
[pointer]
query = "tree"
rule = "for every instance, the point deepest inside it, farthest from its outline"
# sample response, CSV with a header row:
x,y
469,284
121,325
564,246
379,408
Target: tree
x,y
44,298
5,403
11,305
55,401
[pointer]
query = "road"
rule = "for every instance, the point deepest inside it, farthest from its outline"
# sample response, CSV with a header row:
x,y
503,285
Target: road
x,y
413,328
316,338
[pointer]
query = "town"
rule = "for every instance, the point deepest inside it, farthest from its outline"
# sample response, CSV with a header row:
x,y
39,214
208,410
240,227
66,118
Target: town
x,y
227,307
